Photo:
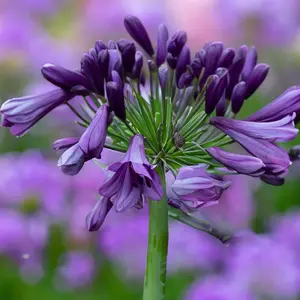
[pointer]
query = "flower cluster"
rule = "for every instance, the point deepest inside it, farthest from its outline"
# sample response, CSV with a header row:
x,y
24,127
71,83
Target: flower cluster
x,y
176,112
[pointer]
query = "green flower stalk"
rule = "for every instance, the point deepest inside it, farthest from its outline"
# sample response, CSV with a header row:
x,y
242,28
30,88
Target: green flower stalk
x,y
165,123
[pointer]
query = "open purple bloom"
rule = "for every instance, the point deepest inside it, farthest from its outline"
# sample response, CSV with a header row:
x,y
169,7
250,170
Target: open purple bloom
x,y
197,188
65,143
89,146
285,104
134,176
243,164
20,114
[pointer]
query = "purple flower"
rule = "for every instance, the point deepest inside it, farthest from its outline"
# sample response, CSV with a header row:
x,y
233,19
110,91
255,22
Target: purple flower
x,y
115,98
22,113
162,38
250,63
196,187
90,144
127,49
176,43
134,177
243,164
285,104
96,217
282,130
238,97
138,32
184,59
65,143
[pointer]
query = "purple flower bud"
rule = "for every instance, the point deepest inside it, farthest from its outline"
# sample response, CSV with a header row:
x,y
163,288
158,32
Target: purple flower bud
x,y
238,97
93,139
22,113
243,164
64,78
138,65
176,43
116,78
96,217
138,32
103,61
91,70
99,46
196,66
127,49
115,63
256,78
226,58
213,52
185,80
65,143
72,160
250,63
210,101
221,106
111,45
163,77
172,61
236,69
184,59
284,105
222,73
162,38
115,98
294,153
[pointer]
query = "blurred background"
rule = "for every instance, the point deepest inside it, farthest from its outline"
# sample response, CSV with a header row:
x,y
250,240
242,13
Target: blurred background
x,y
45,249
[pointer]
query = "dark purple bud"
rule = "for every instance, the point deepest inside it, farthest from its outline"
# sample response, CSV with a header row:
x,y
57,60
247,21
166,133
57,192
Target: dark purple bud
x,y
185,80
176,43
294,153
64,78
236,69
256,78
162,38
226,58
196,66
99,46
272,179
116,78
221,106
219,89
138,65
138,32
184,59
151,65
115,63
103,61
111,45
65,143
163,77
250,63
172,61
72,160
210,102
127,49
96,217
212,56
92,71
115,98
201,55
238,97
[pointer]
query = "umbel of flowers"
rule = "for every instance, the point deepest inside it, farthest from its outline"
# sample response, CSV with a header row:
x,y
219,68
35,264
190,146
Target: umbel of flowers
x,y
167,111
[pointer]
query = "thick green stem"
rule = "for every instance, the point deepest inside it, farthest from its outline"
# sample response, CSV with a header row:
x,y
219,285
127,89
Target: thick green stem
x,y
156,269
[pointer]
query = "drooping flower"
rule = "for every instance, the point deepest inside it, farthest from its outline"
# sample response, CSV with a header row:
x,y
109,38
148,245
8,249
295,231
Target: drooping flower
x,y
196,187
90,144
20,114
134,178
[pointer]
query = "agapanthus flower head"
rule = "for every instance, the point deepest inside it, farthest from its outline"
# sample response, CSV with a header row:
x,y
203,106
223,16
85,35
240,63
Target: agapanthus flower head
x,y
173,119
